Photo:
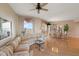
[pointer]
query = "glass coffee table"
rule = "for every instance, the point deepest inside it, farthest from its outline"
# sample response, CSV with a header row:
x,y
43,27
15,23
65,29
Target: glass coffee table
x,y
40,44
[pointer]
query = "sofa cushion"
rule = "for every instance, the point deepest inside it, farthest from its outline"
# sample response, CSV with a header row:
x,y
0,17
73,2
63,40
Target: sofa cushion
x,y
22,53
15,42
2,53
6,51
22,47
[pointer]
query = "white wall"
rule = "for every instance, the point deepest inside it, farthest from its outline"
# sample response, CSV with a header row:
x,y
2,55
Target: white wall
x,y
19,26
7,13
37,26
75,30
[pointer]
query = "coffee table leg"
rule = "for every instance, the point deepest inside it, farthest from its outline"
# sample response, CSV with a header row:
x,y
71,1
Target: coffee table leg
x,y
29,51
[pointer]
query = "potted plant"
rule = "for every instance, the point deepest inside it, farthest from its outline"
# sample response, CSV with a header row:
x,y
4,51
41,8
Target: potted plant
x,y
66,29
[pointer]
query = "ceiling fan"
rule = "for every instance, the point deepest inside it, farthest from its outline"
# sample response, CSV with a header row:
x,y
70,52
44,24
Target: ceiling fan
x,y
39,6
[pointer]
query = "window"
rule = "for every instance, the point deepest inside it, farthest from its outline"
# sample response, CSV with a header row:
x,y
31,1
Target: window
x,y
5,28
28,25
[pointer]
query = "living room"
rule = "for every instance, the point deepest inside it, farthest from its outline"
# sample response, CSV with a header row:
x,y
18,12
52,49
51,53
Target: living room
x,y
25,24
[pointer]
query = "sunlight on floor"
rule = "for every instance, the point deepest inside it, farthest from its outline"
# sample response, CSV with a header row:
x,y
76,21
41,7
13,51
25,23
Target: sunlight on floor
x,y
55,50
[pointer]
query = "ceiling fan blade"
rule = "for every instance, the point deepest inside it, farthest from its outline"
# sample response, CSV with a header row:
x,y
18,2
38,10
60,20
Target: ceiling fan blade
x,y
42,5
32,9
44,9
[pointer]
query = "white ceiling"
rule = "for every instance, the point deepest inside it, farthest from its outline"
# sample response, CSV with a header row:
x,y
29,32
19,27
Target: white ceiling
x,y
56,11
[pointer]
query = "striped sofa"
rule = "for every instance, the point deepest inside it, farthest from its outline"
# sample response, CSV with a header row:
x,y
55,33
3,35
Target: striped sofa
x,y
13,48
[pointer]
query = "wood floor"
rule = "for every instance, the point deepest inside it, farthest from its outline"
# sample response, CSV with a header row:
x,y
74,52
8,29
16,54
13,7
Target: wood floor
x,y
58,47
